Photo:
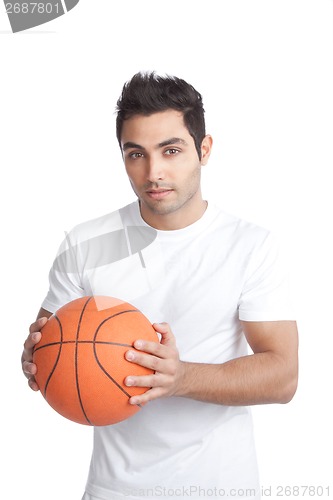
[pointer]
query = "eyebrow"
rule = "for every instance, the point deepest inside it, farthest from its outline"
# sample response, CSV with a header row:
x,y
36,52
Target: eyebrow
x,y
167,142
131,145
172,140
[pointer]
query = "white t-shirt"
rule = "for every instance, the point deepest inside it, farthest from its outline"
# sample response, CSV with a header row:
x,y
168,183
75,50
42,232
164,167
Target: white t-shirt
x,y
202,280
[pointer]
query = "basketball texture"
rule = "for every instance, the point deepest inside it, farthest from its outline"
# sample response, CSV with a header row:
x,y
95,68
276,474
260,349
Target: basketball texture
x,y
81,363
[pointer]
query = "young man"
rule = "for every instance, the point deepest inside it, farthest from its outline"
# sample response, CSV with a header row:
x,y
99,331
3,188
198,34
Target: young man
x,y
212,284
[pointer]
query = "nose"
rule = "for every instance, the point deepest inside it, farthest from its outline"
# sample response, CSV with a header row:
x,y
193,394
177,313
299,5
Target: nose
x,y
155,170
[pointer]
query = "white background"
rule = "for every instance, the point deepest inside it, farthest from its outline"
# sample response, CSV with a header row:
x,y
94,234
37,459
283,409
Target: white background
x,y
265,69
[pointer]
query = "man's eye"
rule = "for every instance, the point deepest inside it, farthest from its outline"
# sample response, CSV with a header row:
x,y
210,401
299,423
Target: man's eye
x,y
134,156
171,151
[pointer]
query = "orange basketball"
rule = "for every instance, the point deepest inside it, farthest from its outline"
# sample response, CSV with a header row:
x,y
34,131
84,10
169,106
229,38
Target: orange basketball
x,y
81,363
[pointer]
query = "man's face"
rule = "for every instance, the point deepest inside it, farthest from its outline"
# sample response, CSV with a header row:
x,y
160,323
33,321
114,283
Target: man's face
x,y
164,169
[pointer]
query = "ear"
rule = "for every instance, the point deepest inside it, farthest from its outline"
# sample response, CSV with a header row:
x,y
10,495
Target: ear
x,y
206,148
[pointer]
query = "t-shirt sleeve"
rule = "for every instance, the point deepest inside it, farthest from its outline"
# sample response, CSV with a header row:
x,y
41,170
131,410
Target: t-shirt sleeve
x,y
64,278
266,292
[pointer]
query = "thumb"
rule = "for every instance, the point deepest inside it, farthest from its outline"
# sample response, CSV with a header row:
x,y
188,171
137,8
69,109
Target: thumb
x,y
164,329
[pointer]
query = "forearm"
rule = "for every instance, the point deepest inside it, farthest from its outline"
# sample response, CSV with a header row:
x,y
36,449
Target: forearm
x,y
255,379
267,376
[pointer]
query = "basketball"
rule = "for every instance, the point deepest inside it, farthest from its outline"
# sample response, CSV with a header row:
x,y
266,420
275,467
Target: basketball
x,y
81,364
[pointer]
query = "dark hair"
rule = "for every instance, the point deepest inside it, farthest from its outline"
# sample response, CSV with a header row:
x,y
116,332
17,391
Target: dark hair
x,y
148,93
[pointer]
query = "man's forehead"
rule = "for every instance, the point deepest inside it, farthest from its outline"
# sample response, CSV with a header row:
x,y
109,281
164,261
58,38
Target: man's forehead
x,y
155,130
167,116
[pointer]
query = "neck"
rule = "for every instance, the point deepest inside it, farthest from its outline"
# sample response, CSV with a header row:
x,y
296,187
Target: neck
x,y
178,219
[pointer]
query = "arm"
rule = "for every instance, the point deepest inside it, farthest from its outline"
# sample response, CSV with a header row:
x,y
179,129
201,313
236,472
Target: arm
x,y
29,368
269,375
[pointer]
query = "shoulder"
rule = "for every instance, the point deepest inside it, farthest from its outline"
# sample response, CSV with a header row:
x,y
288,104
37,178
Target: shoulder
x,y
103,224
240,230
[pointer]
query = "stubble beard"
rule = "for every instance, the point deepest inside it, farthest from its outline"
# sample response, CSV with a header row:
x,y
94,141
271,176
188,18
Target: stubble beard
x,y
165,206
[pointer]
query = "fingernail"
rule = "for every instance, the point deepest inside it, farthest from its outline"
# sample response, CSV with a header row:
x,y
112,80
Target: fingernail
x,y
130,355
134,401
138,344
129,381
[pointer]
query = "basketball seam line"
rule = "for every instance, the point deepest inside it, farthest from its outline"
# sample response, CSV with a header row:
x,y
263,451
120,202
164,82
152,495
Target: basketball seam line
x,y
57,360
104,342
76,360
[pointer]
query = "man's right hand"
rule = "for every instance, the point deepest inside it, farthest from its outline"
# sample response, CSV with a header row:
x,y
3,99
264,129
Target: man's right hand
x,y
28,367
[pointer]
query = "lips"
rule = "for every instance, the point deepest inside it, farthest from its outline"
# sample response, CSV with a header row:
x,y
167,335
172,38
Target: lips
x,y
158,194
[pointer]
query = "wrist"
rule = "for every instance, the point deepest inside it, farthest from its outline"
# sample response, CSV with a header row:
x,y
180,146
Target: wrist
x,y
183,377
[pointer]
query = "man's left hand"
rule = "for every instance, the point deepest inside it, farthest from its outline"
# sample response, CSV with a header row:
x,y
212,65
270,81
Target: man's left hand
x,y
163,359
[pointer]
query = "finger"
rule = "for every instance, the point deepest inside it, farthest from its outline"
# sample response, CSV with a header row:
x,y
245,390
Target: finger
x,y
37,325
154,348
33,384
142,381
33,337
29,369
154,393
29,344
168,337
154,363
